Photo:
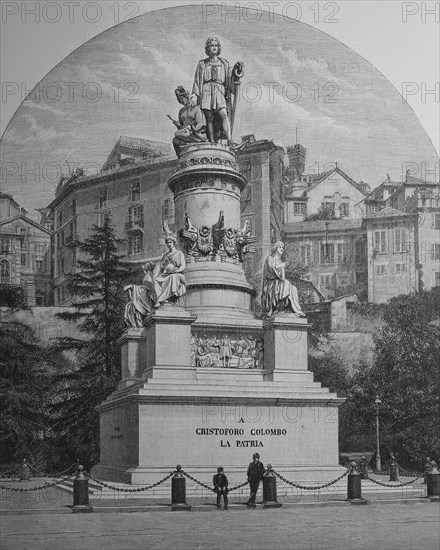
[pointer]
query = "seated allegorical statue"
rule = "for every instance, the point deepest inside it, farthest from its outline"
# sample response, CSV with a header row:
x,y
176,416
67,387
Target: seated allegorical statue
x,y
191,124
278,294
163,282
168,278
142,298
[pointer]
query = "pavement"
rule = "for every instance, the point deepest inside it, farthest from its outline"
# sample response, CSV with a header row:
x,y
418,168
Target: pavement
x,y
35,520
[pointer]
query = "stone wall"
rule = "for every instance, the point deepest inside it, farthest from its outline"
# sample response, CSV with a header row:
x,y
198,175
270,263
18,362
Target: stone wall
x,y
44,322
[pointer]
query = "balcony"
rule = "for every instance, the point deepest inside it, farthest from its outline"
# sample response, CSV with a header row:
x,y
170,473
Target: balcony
x,y
133,225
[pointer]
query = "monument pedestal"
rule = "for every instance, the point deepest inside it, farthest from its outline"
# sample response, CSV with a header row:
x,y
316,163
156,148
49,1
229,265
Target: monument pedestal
x,y
205,417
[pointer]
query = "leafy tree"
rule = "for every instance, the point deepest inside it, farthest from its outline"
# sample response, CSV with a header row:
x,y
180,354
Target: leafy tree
x,y
405,376
27,371
97,287
331,370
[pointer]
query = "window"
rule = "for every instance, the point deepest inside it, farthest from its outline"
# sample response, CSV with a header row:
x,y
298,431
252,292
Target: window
x,y
361,277
39,265
380,242
400,268
328,207
436,278
400,240
72,227
5,272
135,244
306,254
374,207
60,266
360,250
72,207
59,219
246,196
136,191
60,239
342,253
436,221
436,252
102,198
23,258
299,208
380,269
135,213
5,246
344,209
327,253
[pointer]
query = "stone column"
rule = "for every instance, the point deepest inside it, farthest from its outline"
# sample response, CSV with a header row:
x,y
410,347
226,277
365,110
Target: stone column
x,y
206,186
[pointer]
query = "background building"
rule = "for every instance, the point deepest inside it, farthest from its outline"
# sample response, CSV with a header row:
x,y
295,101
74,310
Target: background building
x,y
375,244
25,254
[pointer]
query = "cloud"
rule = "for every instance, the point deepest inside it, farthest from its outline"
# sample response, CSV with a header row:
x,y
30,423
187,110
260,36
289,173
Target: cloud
x,y
29,132
31,104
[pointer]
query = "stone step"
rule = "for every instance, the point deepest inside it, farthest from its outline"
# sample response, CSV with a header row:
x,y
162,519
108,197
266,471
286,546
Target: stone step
x,y
214,391
206,382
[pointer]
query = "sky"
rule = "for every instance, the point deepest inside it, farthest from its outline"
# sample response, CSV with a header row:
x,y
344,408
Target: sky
x,y
296,77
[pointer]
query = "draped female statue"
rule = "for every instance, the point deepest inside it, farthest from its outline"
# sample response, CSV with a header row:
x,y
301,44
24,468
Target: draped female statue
x,y
163,282
279,294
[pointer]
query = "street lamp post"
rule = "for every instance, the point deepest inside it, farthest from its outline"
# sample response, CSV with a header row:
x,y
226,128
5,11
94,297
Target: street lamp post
x,y
377,404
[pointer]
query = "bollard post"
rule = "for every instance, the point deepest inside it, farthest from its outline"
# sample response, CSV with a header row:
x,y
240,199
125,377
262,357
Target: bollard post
x,y
363,468
354,486
394,469
25,472
270,489
81,493
433,483
178,491
426,471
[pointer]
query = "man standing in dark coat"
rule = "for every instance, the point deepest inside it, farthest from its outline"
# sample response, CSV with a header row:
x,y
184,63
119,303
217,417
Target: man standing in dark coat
x,y
220,482
255,474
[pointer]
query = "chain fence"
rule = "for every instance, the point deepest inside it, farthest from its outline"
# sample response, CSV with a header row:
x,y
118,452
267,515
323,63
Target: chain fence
x,y
37,488
208,486
126,490
308,487
394,485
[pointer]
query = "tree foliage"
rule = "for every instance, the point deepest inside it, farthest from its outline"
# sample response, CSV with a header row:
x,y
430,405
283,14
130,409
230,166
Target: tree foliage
x,y
27,393
405,376
97,288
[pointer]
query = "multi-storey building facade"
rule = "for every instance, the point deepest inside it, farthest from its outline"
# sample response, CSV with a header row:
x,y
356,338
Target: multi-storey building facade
x,y
25,253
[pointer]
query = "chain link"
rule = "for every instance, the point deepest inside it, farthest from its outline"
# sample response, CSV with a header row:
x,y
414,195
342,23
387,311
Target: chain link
x,y
238,486
208,487
391,484
308,488
8,473
40,488
123,490
197,481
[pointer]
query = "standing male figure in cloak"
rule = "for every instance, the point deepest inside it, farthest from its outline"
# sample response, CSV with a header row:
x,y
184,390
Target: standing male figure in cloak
x,y
213,85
